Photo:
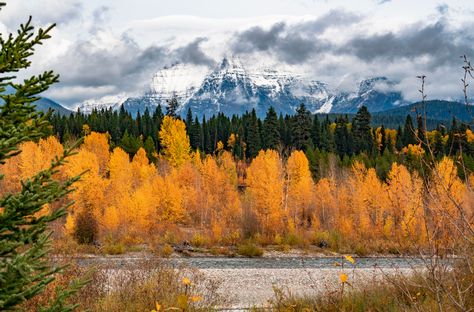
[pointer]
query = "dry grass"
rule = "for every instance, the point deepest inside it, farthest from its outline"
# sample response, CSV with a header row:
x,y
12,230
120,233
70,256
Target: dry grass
x,y
398,292
137,286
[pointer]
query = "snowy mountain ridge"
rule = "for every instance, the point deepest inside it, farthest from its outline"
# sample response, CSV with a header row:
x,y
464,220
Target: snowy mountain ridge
x,y
231,88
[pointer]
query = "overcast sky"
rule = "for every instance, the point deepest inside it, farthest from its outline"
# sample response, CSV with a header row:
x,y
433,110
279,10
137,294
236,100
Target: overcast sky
x,y
112,47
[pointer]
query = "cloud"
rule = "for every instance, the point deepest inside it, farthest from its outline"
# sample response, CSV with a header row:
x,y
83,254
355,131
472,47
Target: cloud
x,y
332,19
258,39
339,47
436,41
293,43
442,8
44,12
193,54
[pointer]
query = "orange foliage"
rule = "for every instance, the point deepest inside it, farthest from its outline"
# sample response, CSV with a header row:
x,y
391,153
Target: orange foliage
x,y
265,190
299,188
175,141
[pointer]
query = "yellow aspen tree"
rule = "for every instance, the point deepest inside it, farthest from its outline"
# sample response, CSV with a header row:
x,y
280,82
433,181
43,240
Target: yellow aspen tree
x,y
119,172
222,202
98,144
34,158
265,191
368,200
298,188
405,208
175,141
120,188
326,203
446,200
167,199
89,196
142,170
188,178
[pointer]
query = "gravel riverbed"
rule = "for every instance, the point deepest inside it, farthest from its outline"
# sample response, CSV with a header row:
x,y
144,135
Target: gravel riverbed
x,y
250,282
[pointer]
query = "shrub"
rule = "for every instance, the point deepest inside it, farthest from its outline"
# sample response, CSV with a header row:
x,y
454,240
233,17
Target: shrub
x,y
198,240
361,250
166,251
321,239
250,250
114,249
293,239
86,228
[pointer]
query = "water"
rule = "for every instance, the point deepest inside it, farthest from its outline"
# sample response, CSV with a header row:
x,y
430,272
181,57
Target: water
x,y
266,263
294,263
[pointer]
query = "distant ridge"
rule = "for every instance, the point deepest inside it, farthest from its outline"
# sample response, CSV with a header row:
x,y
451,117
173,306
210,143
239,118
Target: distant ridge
x,y
44,104
434,109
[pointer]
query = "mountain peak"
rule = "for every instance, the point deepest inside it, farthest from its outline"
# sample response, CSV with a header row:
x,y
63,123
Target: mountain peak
x,y
231,88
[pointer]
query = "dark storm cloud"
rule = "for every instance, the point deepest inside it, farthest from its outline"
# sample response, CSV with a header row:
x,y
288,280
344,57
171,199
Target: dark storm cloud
x,y
193,54
437,41
258,39
126,68
292,43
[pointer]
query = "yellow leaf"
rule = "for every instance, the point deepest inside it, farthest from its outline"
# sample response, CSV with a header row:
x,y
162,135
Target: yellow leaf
x,y
343,277
196,298
350,259
186,281
183,301
157,306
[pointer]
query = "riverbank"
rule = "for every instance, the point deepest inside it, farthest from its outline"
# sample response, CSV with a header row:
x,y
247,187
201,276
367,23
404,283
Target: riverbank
x,y
251,282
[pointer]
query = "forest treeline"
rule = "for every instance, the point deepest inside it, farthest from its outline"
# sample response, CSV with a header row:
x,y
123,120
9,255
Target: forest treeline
x,y
244,136
177,193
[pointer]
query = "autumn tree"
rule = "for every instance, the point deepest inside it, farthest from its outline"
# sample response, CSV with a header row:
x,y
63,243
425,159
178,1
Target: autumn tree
x,y
175,141
265,190
298,189
405,217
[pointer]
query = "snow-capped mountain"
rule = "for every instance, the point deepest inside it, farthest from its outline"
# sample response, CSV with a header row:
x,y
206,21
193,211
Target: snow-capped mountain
x,y
231,88
376,94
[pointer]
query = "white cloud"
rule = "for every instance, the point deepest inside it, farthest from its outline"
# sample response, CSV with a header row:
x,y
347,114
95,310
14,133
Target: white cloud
x,y
108,47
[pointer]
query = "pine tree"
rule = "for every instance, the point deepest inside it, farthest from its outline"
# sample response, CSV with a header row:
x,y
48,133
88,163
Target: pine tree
x,y
399,142
341,137
271,135
421,131
361,130
301,128
438,147
383,140
195,135
316,132
149,147
409,136
253,136
206,137
172,108
24,236
189,120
